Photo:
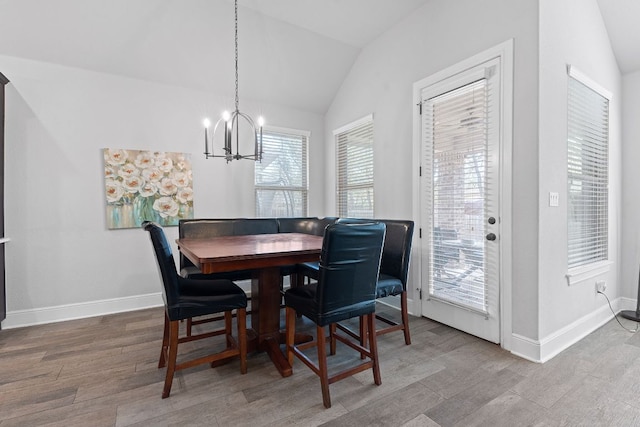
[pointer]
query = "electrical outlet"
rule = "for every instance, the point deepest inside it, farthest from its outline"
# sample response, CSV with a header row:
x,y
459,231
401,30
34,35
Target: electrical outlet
x,y
601,286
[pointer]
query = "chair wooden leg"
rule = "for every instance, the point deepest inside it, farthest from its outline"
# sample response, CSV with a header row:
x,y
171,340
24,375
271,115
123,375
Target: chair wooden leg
x,y
228,319
405,318
322,366
296,280
332,339
165,343
189,326
242,338
363,334
373,347
290,323
173,355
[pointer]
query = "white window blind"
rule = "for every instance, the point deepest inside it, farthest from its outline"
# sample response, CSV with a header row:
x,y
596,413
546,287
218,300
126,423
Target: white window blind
x,y
355,169
457,126
281,178
588,174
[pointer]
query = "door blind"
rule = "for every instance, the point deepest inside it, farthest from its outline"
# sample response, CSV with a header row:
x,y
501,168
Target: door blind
x,y
457,128
588,175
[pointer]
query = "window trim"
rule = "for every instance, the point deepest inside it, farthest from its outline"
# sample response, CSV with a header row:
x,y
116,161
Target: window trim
x,y
354,124
584,272
585,80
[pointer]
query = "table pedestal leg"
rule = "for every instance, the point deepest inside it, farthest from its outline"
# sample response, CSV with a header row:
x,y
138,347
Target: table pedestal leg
x,y
265,315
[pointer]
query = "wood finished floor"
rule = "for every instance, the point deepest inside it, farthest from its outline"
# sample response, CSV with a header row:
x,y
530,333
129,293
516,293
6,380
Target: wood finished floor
x,y
103,371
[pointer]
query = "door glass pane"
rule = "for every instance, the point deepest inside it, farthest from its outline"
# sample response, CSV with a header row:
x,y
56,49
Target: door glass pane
x,y
459,166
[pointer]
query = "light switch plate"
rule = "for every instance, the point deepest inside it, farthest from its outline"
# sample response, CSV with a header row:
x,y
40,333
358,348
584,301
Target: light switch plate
x,y
554,199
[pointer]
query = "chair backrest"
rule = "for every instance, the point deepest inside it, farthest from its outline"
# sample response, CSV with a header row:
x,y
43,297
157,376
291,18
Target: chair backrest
x,y
396,252
349,266
311,225
166,263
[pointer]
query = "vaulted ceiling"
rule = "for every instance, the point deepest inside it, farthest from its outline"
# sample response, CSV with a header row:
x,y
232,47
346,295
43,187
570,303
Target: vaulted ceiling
x,y
291,52
621,19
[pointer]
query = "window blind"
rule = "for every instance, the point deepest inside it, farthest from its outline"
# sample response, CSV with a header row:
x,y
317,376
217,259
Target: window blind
x,y
281,178
588,175
355,170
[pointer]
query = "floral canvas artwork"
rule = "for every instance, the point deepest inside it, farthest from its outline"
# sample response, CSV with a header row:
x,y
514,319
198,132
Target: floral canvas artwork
x,y
147,186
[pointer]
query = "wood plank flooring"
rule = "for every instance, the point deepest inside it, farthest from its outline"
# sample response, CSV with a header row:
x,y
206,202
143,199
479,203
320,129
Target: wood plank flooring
x,y
102,371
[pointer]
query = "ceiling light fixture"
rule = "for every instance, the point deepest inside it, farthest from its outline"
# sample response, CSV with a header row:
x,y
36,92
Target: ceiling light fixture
x,y
231,125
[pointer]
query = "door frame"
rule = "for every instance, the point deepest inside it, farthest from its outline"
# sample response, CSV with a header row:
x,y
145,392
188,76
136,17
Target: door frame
x,y
3,290
505,276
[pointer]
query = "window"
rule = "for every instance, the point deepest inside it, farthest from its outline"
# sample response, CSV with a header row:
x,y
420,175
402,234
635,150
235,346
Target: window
x,y
281,177
354,144
587,171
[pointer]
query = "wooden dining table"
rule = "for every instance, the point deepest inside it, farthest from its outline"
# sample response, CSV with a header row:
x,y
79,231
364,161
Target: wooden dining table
x,y
264,254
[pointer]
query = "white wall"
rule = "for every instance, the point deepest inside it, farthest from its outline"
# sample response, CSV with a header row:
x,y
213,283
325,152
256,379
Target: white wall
x,y
572,32
438,35
630,244
61,261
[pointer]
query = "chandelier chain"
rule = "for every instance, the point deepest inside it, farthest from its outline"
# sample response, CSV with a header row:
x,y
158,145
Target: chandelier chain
x,y
236,40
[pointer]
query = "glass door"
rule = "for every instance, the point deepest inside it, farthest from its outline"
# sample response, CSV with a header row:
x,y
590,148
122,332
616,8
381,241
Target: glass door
x,y
460,142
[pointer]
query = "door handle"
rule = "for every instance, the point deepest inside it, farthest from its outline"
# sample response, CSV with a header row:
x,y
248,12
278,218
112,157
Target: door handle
x,y
491,236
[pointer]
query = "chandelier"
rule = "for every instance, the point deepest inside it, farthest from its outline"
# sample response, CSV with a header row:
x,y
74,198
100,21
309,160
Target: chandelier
x,y
231,125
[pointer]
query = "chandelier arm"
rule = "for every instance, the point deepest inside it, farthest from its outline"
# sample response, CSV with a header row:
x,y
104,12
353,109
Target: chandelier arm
x,y
256,137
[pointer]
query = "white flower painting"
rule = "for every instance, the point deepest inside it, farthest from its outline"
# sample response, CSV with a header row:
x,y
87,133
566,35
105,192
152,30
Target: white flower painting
x,y
147,186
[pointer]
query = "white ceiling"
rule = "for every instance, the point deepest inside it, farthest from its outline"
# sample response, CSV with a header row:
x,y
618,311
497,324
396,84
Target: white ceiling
x,y
354,22
297,53
621,19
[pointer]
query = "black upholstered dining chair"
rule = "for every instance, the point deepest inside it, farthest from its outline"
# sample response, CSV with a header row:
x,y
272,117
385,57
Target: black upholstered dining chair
x,y
394,273
346,288
186,298
308,225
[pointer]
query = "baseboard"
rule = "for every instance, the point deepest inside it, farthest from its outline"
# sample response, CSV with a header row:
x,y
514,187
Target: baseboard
x,y
38,316
395,303
545,349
